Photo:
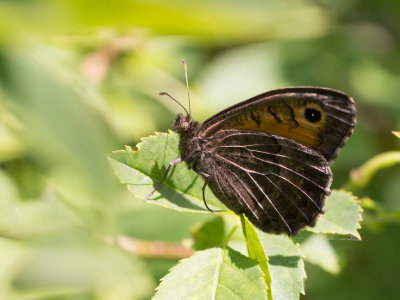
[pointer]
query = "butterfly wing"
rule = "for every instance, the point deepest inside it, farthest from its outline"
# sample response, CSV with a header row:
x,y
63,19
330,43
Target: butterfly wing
x,y
318,118
279,184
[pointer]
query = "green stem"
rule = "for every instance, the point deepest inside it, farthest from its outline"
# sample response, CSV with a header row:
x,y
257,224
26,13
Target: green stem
x,y
229,236
361,176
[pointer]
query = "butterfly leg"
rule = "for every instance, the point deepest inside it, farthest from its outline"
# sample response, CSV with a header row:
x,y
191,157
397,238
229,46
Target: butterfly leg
x,y
171,164
204,198
204,186
205,175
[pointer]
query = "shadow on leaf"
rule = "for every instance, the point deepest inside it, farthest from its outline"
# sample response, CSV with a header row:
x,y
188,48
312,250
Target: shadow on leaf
x,y
284,261
171,193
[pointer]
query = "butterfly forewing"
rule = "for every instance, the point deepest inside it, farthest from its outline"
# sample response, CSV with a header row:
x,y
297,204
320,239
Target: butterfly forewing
x,y
277,183
318,118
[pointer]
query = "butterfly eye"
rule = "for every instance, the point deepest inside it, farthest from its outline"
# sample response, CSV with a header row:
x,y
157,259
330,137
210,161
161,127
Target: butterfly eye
x,y
185,125
312,115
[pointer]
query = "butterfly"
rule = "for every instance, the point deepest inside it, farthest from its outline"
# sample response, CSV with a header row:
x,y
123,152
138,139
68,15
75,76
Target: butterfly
x,y
269,157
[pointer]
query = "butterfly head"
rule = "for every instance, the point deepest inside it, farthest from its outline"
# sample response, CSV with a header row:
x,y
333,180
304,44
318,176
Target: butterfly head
x,y
189,146
184,124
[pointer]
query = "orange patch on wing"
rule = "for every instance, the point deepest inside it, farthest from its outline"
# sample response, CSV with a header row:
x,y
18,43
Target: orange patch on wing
x,y
286,120
301,135
299,129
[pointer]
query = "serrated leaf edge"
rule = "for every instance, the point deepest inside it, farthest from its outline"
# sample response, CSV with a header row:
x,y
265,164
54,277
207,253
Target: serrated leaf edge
x,y
361,210
138,148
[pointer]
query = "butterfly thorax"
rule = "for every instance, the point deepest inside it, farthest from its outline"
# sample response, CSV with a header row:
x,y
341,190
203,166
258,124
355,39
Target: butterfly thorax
x,y
190,144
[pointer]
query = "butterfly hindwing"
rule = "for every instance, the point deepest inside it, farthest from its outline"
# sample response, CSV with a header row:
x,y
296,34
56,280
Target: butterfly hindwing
x,y
277,183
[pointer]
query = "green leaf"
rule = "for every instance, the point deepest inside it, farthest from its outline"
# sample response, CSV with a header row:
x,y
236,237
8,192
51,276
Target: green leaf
x,y
286,266
141,170
214,274
86,265
396,133
9,199
254,22
256,250
342,215
27,219
209,234
318,250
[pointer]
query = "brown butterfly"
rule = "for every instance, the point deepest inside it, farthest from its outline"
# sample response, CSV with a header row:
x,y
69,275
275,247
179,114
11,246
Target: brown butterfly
x,y
268,157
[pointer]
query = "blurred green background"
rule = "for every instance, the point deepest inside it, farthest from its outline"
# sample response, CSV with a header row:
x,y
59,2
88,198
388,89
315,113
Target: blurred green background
x,y
79,79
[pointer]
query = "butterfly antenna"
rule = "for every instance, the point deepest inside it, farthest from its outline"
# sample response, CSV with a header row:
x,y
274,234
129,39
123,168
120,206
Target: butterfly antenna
x,y
187,85
166,94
